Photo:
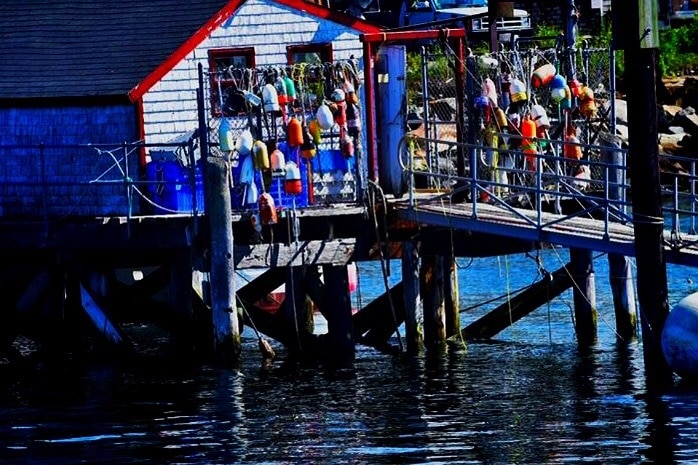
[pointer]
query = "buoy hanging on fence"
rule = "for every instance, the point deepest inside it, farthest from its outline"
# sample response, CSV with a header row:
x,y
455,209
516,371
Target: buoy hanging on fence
x,y
294,132
278,162
540,117
587,104
252,194
572,150
353,119
280,86
558,82
292,180
225,136
501,118
351,97
324,117
487,62
347,146
517,91
270,98
566,103
247,170
244,142
315,130
575,87
543,75
528,145
308,149
267,209
490,91
261,155
290,89
340,114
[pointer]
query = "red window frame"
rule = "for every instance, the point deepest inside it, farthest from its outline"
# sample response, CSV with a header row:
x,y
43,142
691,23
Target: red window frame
x,y
324,52
225,57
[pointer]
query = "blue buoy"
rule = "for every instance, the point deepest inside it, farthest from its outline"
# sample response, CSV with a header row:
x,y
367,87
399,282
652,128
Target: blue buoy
x,y
680,337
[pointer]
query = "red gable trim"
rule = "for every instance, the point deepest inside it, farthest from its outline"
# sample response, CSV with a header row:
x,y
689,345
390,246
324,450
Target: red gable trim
x,y
325,13
229,9
186,48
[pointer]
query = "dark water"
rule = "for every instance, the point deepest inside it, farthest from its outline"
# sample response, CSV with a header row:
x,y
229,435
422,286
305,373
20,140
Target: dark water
x,y
530,397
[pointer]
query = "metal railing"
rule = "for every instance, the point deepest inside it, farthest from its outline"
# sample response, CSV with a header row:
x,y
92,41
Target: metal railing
x,y
556,188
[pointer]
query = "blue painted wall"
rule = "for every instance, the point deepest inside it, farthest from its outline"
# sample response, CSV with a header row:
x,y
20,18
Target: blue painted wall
x,y
72,181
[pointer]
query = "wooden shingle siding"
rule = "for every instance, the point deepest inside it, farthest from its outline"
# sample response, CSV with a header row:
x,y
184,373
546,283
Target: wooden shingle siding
x,y
69,127
170,105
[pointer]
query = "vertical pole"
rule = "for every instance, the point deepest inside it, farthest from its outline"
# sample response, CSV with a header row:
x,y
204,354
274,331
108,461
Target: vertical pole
x,y
295,311
620,273
181,276
451,297
432,289
621,280
340,328
410,280
492,16
584,293
640,77
218,207
370,99
459,72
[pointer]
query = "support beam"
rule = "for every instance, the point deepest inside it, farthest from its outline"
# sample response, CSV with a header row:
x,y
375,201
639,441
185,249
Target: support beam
x,y
520,305
379,320
99,317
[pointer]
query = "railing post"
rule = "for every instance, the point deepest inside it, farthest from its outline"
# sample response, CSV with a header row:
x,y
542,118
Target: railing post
x,y
129,187
676,225
539,189
607,201
425,113
473,180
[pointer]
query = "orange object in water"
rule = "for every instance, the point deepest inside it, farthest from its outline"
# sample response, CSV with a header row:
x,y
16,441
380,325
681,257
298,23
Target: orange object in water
x,y
295,132
543,75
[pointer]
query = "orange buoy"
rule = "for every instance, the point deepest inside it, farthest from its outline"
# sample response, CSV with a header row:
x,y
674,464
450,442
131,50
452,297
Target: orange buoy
x,y
315,130
294,132
572,149
528,131
267,209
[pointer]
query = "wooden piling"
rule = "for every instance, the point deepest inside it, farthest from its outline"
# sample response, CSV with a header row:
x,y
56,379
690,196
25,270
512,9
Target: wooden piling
x,y
294,311
339,322
584,293
451,306
226,343
641,41
181,294
622,288
431,286
413,309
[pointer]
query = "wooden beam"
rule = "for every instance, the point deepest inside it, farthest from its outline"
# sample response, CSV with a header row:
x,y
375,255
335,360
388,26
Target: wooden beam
x,y
337,252
375,323
98,317
520,305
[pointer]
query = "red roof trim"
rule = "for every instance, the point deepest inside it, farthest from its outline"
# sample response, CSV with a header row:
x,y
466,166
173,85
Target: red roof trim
x,y
229,9
186,48
325,13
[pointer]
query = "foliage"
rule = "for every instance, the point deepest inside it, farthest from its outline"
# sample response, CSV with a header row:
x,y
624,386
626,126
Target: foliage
x,y
677,49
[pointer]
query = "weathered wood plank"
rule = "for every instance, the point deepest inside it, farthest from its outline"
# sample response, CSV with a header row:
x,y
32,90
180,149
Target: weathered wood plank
x,y
335,252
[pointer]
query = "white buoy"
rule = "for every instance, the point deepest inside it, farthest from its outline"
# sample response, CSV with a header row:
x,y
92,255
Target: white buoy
x,y
680,337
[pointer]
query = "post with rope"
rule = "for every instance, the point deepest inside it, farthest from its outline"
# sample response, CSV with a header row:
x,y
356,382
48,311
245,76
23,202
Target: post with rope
x,y
584,293
431,284
226,328
638,27
451,296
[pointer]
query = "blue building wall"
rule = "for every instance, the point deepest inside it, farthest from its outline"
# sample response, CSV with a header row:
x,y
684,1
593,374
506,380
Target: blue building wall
x,y
47,168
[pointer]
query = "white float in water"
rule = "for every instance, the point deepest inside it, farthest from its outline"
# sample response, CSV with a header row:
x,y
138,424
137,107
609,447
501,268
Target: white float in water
x,y
680,337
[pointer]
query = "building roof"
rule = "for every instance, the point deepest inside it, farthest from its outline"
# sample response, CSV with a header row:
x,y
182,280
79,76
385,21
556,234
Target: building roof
x,y
83,48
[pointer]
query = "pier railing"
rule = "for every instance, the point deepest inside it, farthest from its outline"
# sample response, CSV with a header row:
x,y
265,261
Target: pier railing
x,y
555,188
58,181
